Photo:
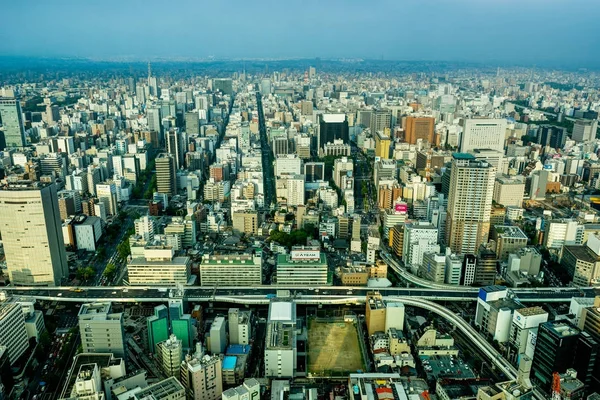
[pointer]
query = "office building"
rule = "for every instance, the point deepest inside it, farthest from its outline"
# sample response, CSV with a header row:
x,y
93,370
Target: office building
x,y
217,339
331,127
166,389
13,333
159,266
202,376
240,326
11,116
375,313
584,130
433,267
231,269
101,330
381,120
302,266
382,144
107,195
524,321
314,171
483,134
145,228
555,351
192,123
495,311
223,85
32,234
419,237
166,174
583,262
157,327
553,136
170,354
509,191
280,358
509,239
249,390
562,232
469,203
88,231
245,222
419,128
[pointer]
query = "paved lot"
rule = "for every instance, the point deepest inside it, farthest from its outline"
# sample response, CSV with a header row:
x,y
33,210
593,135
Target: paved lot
x,y
333,348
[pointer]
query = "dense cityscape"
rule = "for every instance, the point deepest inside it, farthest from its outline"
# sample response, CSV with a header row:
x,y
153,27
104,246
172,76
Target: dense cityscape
x,y
298,229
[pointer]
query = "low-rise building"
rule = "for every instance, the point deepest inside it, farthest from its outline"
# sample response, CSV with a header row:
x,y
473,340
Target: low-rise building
x,y
303,266
160,266
231,269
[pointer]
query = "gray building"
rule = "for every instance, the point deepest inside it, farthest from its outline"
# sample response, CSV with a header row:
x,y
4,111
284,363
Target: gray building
x,y
101,330
12,122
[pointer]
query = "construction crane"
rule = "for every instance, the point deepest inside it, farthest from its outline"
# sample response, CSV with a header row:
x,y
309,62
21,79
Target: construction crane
x,y
556,386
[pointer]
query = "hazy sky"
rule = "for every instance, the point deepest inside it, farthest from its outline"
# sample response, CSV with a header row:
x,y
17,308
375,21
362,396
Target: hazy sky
x,y
505,31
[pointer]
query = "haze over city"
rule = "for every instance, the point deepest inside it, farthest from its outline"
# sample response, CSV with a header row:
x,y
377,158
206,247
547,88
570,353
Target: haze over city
x,y
552,33
312,200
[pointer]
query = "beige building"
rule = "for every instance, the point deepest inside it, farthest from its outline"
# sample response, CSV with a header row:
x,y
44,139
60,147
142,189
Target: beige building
x,y
245,222
469,203
166,174
159,266
170,354
375,313
509,191
32,234
509,239
201,375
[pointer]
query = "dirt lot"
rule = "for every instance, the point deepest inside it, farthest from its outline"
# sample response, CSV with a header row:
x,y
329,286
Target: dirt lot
x,y
333,348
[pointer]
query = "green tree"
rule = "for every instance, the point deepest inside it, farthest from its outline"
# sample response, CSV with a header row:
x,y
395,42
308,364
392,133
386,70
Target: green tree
x,y
123,249
110,270
85,273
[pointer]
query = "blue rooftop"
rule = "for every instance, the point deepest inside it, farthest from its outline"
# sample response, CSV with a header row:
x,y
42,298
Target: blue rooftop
x,y
463,156
238,349
229,362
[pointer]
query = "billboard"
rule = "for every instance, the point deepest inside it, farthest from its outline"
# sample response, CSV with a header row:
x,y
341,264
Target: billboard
x,y
401,207
305,254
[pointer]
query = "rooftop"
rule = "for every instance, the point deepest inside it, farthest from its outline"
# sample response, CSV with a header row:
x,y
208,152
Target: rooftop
x,y
508,231
583,253
562,328
229,362
281,311
529,311
334,118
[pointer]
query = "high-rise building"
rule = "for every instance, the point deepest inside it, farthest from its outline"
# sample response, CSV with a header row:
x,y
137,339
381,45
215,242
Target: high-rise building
x,y
245,222
11,116
145,227
170,354
32,234
314,171
240,326
380,120
553,136
166,174
157,327
175,147
201,375
469,203
483,134
192,122
331,127
584,130
555,350
13,333
382,144
101,330
419,128
107,194
223,85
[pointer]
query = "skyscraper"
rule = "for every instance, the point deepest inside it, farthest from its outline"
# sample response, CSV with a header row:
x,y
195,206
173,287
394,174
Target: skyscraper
x,y
469,203
419,128
380,120
483,134
166,174
12,122
32,234
331,127
175,147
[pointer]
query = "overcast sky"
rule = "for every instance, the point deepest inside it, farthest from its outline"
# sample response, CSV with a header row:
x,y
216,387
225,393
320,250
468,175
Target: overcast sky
x,y
524,32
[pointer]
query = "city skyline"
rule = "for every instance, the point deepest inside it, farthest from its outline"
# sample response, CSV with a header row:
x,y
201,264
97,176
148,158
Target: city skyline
x,y
462,31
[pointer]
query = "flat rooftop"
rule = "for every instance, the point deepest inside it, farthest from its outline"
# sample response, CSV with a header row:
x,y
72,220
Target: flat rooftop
x,y
583,253
512,232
